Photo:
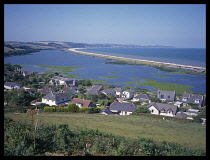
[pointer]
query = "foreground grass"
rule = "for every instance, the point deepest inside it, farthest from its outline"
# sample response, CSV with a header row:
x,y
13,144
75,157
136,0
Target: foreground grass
x,y
179,88
190,134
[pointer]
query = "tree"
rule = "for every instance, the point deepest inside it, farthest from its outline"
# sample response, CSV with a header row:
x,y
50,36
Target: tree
x,y
72,107
154,99
142,109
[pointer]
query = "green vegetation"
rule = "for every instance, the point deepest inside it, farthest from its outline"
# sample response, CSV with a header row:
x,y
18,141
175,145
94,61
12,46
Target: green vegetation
x,y
142,125
134,77
113,73
109,76
133,82
161,76
179,88
177,73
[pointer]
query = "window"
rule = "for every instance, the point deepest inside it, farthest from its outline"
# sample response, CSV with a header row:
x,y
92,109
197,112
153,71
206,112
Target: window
x,y
168,97
162,96
197,101
184,99
152,111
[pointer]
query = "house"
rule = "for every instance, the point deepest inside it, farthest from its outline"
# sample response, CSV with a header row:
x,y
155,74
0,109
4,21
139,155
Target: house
x,y
128,94
57,80
187,98
72,90
192,112
95,89
12,85
166,96
142,98
162,109
179,104
82,103
24,72
181,115
110,91
106,111
46,90
119,92
56,98
122,108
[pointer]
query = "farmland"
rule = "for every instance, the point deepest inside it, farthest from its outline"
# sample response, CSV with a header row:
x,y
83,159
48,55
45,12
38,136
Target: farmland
x,y
193,135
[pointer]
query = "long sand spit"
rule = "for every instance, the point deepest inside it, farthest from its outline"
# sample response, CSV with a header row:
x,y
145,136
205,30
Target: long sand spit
x,y
133,60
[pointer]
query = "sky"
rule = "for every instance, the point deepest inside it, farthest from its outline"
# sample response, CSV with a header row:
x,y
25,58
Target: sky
x,y
179,25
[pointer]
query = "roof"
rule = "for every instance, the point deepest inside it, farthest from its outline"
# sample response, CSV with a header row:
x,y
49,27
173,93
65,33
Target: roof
x,y
129,90
108,91
106,110
92,92
164,107
67,89
124,106
46,90
192,97
56,96
12,84
168,95
193,110
143,96
118,89
181,115
97,87
85,103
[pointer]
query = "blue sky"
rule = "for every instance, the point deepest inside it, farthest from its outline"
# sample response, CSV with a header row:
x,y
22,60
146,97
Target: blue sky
x,y
180,25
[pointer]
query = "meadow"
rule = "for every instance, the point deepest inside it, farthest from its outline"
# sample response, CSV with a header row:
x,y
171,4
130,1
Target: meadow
x,y
192,135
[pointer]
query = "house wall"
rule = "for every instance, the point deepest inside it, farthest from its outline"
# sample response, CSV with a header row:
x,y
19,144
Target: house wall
x,y
167,114
125,113
48,102
153,110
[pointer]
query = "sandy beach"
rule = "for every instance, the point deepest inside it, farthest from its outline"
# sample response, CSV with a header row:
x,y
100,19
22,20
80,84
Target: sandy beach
x,y
74,50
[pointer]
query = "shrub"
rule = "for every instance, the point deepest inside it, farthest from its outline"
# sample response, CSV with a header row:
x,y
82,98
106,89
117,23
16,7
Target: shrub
x,y
72,107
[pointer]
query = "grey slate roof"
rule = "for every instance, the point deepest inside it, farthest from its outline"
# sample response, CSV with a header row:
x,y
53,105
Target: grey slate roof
x,y
106,110
161,107
181,115
168,95
124,106
192,97
57,96
143,96
97,87
12,84
92,92
108,91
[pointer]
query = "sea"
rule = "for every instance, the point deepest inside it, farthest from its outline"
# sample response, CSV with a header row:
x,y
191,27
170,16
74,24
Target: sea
x,y
99,69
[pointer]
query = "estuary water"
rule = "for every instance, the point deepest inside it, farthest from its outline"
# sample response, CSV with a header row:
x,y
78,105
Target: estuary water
x,y
185,56
95,68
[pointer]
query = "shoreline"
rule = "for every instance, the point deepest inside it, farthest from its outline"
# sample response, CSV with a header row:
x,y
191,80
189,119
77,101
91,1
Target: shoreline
x,y
137,60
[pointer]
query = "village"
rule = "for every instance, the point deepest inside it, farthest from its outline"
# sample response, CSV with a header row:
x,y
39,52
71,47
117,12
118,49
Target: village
x,y
61,91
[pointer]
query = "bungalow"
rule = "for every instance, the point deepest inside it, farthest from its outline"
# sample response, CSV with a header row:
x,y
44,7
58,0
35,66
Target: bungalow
x,y
46,90
142,98
82,103
24,72
192,112
95,89
110,91
122,108
166,96
56,98
181,115
162,109
56,80
106,111
187,98
128,94
72,90
12,85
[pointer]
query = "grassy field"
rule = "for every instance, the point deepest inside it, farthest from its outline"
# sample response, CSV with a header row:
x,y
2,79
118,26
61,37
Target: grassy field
x,y
190,134
179,88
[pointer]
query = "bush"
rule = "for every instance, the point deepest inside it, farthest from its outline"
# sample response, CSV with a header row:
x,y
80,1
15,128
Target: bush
x,y
142,109
72,107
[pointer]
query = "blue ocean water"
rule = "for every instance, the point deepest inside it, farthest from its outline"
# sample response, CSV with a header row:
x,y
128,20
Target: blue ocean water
x,y
95,68
185,56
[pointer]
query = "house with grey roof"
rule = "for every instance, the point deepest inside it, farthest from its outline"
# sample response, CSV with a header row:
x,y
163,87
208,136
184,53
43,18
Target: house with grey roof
x,y
24,72
196,99
95,89
122,108
142,98
57,80
162,109
56,98
46,90
11,85
72,90
106,111
166,96
127,94
181,115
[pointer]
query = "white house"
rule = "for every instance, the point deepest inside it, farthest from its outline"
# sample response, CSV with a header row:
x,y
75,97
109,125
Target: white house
x,y
11,85
56,98
128,93
162,109
122,108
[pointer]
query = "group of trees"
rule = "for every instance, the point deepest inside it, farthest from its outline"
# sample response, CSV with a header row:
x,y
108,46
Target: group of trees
x,y
18,50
